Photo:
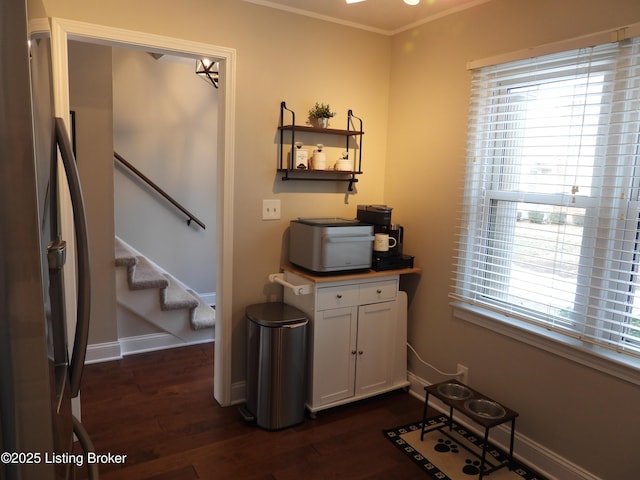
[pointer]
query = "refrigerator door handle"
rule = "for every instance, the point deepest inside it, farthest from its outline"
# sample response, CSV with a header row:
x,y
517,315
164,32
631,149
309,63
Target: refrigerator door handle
x,y
82,247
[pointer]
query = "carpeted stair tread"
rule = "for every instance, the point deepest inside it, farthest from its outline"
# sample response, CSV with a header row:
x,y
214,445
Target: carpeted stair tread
x,y
175,297
144,275
203,316
125,257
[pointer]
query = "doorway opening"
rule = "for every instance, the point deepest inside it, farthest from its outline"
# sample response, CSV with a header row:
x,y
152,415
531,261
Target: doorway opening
x,y
62,31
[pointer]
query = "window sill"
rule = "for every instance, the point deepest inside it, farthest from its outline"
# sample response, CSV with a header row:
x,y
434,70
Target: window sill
x,y
622,366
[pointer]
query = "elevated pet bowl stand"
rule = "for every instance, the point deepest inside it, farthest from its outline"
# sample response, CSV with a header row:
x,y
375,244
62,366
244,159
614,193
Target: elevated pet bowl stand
x,y
476,406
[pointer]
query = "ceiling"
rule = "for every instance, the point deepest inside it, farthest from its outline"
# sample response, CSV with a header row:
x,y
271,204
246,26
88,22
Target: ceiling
x,y
382,16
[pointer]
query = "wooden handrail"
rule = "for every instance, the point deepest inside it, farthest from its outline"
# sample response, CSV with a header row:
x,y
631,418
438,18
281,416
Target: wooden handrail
x,y
149,182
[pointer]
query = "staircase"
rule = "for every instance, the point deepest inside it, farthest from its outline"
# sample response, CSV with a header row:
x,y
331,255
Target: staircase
x,y
155,296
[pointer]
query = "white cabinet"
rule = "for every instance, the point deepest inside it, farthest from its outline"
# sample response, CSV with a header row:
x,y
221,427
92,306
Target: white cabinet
x,y
357,336
332,357
375,355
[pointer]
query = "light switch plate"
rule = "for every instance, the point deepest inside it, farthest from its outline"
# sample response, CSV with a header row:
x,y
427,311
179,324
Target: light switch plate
x,y
271,209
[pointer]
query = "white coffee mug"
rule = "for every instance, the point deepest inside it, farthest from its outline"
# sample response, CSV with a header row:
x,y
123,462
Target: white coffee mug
x,y
382,242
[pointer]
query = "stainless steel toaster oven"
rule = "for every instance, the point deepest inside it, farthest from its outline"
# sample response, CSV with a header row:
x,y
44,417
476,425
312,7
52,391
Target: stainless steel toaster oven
x,y
330,244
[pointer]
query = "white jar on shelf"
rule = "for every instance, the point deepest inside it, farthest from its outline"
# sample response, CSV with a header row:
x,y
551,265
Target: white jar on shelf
x,y
319,159
343,163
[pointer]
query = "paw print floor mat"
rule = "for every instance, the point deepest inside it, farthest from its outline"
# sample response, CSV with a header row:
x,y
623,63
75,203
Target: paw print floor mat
x,y
455,454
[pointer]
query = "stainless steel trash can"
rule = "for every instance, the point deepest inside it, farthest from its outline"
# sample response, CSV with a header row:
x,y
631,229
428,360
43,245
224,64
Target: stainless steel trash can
x,y
276,364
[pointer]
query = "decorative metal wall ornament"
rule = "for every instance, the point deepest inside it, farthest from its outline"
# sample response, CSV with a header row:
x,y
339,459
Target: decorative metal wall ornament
x,y
207,68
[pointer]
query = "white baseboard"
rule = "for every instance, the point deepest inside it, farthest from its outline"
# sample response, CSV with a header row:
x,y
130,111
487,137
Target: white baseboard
x,y
545,461
103,352
154,341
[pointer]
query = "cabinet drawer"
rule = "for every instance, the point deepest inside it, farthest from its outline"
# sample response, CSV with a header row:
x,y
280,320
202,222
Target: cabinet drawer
x,y
378,291
335,297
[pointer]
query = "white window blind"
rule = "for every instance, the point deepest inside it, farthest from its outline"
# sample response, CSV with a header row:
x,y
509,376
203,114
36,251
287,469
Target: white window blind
x,y
550,227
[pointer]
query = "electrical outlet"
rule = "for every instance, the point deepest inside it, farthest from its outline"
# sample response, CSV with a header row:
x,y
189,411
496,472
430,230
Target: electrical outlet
x,y
271,209
463,373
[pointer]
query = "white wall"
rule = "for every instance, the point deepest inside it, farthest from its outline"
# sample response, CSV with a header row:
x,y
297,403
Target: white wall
x,y
90,97
586,416
412,91
280,56
165,124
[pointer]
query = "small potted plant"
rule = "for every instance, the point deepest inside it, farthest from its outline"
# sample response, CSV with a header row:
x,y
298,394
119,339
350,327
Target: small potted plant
x,y
320,114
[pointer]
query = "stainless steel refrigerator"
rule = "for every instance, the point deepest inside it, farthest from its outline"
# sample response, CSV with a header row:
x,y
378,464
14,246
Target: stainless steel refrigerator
x,y
39,374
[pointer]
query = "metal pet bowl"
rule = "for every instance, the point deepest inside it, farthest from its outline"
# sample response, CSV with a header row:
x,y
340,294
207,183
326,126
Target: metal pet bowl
x,y
485,408
454,391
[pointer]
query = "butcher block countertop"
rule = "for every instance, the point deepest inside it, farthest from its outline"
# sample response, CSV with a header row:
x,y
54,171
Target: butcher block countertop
x,y
358,275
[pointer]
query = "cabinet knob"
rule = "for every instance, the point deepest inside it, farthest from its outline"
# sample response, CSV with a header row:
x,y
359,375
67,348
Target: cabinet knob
x,y
360,352
353,352
379,291
339,295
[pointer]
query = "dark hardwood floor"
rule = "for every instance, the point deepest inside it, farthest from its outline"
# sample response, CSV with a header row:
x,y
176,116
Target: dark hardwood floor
x,y
158,409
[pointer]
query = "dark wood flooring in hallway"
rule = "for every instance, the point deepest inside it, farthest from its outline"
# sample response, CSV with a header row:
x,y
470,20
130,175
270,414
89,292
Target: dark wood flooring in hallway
x,y
158,409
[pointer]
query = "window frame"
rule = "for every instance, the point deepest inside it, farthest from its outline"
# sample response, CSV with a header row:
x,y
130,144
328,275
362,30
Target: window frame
x,y
489,314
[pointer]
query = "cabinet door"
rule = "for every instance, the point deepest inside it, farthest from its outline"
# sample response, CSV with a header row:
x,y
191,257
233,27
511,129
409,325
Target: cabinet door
x,y
376,336
334,358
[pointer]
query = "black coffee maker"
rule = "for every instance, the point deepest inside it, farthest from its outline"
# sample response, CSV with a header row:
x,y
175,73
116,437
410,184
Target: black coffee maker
x,y
380,217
